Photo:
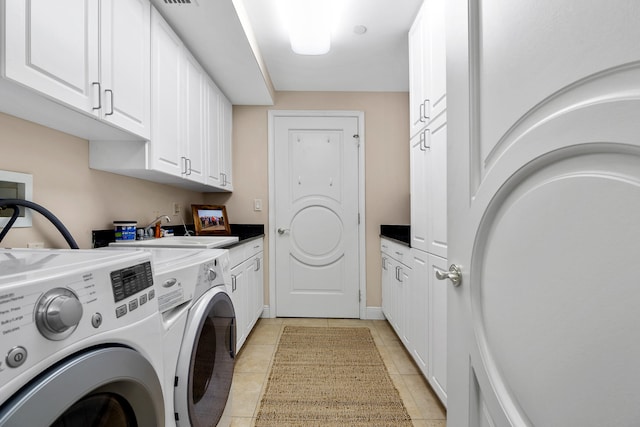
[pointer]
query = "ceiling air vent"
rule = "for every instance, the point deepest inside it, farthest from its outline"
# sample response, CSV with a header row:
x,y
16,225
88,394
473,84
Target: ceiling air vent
x,y
178,1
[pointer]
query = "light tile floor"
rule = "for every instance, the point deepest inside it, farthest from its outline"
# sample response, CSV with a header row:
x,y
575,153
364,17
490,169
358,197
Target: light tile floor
x,y
254,361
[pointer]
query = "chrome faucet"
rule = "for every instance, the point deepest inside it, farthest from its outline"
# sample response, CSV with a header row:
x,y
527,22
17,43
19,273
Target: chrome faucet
x,y
147,229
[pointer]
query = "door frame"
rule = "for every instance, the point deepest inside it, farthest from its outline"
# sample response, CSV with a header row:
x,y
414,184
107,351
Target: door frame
x,y
271,227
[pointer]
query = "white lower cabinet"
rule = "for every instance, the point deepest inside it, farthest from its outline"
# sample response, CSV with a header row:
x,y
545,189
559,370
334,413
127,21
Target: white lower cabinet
x,y
428,306
415,304
247,283
396,286
437,375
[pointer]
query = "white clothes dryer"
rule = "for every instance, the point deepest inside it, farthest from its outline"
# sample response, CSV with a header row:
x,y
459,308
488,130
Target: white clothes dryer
x,y
80,339
199,334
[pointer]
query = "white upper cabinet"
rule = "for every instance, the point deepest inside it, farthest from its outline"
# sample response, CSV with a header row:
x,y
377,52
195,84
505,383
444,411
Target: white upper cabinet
x,y
188,129
436,60
213,135
125,65
165,149
90,56
427,66
194,120
418,77
63,67
226,147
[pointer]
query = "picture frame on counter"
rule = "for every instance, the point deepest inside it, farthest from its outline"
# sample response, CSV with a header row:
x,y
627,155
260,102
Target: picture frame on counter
x,y
210,219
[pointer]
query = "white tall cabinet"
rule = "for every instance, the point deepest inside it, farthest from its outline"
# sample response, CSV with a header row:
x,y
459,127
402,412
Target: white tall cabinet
x,y
418,308
428,142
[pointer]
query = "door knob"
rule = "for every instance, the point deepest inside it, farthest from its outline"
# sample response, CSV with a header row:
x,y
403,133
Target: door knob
x,y
454,274
281,231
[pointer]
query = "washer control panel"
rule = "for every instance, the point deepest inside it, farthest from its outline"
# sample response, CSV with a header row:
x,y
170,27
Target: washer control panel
x,y
48,314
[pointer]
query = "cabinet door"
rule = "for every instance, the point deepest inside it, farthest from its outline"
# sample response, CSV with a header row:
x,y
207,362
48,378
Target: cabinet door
x,y
165,152
419,187
418,78
404,317
226,143
436,182
213,142
125,64
387,283
239,285
194,110
61,67
435,59
258,287
419,306
438,328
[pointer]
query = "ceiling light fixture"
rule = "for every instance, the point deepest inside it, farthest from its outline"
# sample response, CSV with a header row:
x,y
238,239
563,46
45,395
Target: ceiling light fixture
x,y
309,23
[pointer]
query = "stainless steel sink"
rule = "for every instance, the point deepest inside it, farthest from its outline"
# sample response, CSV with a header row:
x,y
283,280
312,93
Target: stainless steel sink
x,y
195,242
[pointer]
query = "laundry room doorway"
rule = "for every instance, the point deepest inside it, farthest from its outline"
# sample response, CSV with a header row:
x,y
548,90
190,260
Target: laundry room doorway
x,y
316,215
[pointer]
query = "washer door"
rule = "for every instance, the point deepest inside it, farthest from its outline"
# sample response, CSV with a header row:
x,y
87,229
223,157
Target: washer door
x,y
206,361
114,386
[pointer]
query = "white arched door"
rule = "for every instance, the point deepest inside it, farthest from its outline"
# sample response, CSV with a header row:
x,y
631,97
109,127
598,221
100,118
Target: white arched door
x,y
544,212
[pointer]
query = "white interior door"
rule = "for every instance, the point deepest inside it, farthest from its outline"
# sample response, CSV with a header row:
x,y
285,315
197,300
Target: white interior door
x,y
544,201
316,216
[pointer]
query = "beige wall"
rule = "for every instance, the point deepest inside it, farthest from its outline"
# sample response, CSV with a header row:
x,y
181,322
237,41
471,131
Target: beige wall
x,y
82,198
386,158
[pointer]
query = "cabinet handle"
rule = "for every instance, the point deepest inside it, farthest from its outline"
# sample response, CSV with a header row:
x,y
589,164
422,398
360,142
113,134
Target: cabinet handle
x,y
384,263
422,145
99,95
233,283
400,274
399,253
421,112
110,97
184,166
188,166
426,109
257,264
427,136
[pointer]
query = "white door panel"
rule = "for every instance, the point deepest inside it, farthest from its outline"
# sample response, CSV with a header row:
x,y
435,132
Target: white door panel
x,y
544,195
316,185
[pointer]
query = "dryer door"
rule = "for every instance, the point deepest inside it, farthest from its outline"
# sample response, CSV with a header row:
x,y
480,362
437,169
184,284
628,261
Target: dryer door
x,y
206,361
113,386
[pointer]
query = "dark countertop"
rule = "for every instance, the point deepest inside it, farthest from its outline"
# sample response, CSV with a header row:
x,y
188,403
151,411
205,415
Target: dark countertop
x,y
101,238
399,233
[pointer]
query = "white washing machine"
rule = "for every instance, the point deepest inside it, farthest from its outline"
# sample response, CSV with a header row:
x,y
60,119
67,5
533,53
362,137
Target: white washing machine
x,y
199,334
80,340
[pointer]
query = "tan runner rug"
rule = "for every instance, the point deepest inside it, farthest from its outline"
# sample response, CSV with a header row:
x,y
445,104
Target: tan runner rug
x,y
329,377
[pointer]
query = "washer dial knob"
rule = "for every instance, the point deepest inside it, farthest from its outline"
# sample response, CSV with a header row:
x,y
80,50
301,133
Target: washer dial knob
x,y
58,313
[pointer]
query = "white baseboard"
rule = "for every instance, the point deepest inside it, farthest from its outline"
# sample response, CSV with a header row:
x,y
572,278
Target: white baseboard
x,y
266,313
375,313
372,313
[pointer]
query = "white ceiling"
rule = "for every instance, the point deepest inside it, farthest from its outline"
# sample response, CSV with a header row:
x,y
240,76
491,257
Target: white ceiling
x,y
243,46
